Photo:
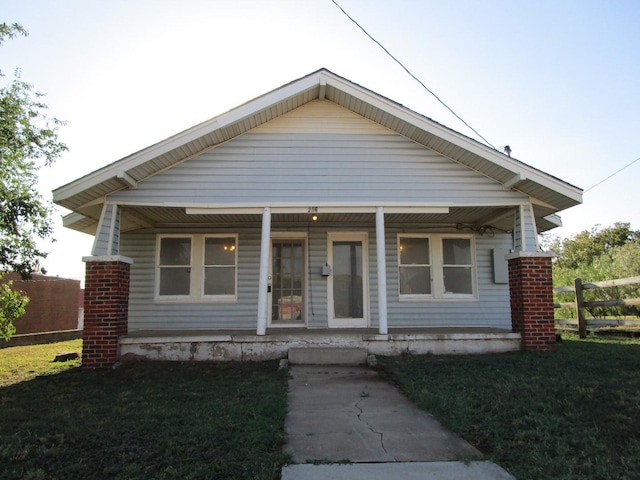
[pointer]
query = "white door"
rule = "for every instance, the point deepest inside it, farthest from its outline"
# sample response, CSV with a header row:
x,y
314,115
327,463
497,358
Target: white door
x,y
348,299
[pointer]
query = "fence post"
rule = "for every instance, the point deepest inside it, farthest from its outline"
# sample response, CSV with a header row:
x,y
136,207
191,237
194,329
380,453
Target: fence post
x,y
582,322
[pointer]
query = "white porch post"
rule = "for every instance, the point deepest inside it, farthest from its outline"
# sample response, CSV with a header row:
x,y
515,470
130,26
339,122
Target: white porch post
x,y
263,281
382,272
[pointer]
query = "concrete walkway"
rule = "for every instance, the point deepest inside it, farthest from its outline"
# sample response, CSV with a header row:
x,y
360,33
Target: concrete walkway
x,y
352,424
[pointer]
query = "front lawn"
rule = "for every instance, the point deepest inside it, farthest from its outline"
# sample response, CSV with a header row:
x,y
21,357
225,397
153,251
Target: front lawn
x,y
18,364
572,414
148,420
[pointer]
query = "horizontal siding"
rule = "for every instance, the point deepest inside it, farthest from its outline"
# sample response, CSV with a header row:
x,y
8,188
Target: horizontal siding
x,y
491,310
145,314
530,235
309,168
322,117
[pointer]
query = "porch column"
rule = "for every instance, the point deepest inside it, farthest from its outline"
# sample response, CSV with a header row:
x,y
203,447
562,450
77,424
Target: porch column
x,y
382,272
106,309
263,281
531,293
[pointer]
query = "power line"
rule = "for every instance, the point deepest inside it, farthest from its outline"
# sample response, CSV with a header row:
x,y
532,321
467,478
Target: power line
x,y
613,174
412,75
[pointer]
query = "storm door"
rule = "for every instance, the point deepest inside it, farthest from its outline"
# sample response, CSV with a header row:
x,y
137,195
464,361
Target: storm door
x,y
287,282
348,300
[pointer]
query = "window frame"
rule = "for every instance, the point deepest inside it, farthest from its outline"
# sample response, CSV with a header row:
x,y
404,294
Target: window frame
x,y
436,257
430,265
197,271
159,267
221,297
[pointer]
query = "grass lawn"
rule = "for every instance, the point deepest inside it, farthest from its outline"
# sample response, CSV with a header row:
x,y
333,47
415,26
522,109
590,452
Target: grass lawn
x,y
18,364
147,420
571,414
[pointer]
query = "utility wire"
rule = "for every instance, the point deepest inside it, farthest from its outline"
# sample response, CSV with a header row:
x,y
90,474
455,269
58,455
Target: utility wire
x,y
613,174
412,75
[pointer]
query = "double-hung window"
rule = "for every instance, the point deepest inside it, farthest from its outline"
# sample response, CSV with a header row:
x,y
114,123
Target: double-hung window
x,y
195,268
457,266
436,266
174,266
220,258
414,254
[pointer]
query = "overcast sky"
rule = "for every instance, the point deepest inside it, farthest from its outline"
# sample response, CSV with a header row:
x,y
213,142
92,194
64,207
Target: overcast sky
x,y
556,80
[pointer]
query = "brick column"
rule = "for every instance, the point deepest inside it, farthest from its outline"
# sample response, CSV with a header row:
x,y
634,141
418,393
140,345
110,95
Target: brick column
x,y
531,292
106,307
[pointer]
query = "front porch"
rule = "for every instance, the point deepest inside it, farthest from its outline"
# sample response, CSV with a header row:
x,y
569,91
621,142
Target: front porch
x,y
245,345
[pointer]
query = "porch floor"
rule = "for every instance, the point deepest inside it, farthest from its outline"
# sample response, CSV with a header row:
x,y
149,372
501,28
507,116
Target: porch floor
x,y
229,345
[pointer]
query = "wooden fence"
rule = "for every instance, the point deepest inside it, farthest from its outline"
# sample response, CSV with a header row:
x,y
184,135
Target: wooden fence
x,y
580,304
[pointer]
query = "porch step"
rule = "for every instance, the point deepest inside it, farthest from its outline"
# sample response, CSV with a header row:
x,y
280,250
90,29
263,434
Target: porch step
x,y
327,356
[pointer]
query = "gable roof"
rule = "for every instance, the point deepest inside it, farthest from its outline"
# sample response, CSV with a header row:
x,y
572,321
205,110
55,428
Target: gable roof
x,y
85,195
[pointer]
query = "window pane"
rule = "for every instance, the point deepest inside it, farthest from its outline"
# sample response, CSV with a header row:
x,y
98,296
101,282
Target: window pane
x,y
347,280
175,281
220,251
220,281
456,251
414,251
457,280
415,280
175,251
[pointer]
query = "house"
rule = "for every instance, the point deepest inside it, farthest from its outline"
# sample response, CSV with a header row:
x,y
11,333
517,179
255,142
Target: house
x,y
320,213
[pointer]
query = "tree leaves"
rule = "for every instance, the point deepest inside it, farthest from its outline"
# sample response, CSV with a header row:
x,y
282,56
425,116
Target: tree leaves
x,y
28,141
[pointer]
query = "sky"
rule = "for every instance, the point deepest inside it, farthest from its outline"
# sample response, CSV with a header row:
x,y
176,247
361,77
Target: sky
x,y
556,80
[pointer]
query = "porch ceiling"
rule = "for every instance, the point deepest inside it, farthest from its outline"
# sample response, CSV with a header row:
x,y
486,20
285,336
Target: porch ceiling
x,y
496,218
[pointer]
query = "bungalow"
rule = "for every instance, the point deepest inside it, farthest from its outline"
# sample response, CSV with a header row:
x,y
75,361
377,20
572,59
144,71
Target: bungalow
x,y
318,214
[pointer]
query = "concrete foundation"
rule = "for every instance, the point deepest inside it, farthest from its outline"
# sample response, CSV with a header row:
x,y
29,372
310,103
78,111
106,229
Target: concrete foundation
x,y
245,346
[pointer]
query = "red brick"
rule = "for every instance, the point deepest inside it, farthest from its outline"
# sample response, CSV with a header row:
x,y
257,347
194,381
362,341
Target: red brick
x,y
531,293
106,312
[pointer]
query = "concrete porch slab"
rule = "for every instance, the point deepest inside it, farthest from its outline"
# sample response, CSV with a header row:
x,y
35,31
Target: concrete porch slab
x,y
242,345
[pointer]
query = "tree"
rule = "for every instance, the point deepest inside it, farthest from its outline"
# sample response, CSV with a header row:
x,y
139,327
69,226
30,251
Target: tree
x,y
586,246
595,255
28,141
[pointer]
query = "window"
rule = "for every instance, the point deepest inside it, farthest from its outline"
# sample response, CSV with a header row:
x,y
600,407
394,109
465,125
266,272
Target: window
x,y
415,266
197,268
457,266
219,266
174,266
436,266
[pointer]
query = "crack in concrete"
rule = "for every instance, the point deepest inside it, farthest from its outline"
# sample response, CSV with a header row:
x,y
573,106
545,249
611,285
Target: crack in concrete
x,y
357,405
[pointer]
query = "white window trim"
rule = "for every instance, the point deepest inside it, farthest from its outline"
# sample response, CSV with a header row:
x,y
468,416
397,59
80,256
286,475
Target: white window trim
x,y
436,258
196,281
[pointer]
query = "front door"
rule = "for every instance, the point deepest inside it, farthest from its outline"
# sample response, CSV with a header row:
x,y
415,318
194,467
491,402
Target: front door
x,y
287,297
348,300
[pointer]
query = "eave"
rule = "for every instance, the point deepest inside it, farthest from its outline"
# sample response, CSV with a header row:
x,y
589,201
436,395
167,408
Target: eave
x,y
87,191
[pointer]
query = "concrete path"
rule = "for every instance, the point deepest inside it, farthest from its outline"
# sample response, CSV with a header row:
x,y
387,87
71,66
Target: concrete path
x,y
341,415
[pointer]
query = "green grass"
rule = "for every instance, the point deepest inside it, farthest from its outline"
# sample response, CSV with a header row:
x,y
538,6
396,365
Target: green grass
x,y
570,414
148,420
18,364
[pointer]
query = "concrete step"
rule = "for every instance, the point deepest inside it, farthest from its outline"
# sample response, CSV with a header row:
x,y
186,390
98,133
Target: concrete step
x,y
327,356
